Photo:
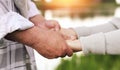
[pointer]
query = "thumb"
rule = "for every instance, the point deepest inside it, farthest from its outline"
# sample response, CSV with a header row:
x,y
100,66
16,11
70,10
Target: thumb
x,y
51,24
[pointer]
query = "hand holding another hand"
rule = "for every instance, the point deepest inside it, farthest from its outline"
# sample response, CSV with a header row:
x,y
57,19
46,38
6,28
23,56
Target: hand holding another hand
x,y
48,43
52,45
71,38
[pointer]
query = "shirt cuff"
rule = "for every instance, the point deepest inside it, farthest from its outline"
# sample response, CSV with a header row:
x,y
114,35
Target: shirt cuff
x,y
11,22
93,44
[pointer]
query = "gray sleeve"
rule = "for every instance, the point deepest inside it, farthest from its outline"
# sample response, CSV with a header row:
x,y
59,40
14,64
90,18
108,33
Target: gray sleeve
x,y
102,43
110,26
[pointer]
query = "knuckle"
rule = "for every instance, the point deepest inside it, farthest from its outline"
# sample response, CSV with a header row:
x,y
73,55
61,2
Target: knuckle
x,y
70,53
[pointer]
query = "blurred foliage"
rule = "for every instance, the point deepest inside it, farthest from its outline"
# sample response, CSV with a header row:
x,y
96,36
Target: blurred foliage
x,y
91,62
108,1
102,9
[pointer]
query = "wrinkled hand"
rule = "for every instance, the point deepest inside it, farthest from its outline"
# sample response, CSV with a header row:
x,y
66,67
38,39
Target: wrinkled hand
x,y
52,45
48,43
75,45
68,34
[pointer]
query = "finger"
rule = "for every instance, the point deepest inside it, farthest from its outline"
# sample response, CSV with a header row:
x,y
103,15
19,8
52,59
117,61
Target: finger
x,y
63,55
69,52
57,26
53,24
49,24
42,26
65,37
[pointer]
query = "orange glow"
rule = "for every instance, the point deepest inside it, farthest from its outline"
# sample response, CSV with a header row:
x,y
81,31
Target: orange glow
x,y
65,3
72,3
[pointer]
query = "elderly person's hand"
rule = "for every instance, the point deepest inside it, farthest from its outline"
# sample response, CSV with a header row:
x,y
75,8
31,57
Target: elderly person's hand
x,y
48,43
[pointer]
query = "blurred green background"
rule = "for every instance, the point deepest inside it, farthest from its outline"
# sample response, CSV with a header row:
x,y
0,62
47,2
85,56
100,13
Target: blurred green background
x,y
91,62
73,13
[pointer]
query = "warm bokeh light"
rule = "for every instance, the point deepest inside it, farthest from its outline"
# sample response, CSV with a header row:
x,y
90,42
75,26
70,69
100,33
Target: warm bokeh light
x,y
63,2
73,3
48,0
118,1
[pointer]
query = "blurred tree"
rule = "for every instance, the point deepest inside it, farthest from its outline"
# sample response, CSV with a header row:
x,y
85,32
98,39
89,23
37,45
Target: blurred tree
x,y
108,1
91,62
43,1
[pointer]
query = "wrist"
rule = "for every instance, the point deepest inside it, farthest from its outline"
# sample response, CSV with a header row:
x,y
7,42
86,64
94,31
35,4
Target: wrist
x,y
37,19
24,36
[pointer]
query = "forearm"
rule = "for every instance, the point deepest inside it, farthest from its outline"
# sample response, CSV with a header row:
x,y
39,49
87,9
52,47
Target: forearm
x,y
101,43
37,19
86,31
113,24
24,37
28,37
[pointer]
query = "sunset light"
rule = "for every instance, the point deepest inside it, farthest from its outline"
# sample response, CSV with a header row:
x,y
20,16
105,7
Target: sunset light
x,y
48,0
72,3
66,3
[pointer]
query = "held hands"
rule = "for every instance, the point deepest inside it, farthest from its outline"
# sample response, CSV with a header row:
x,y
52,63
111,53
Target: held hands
x,y
68,34
48,43
53,42
71,38
51,45
46,38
